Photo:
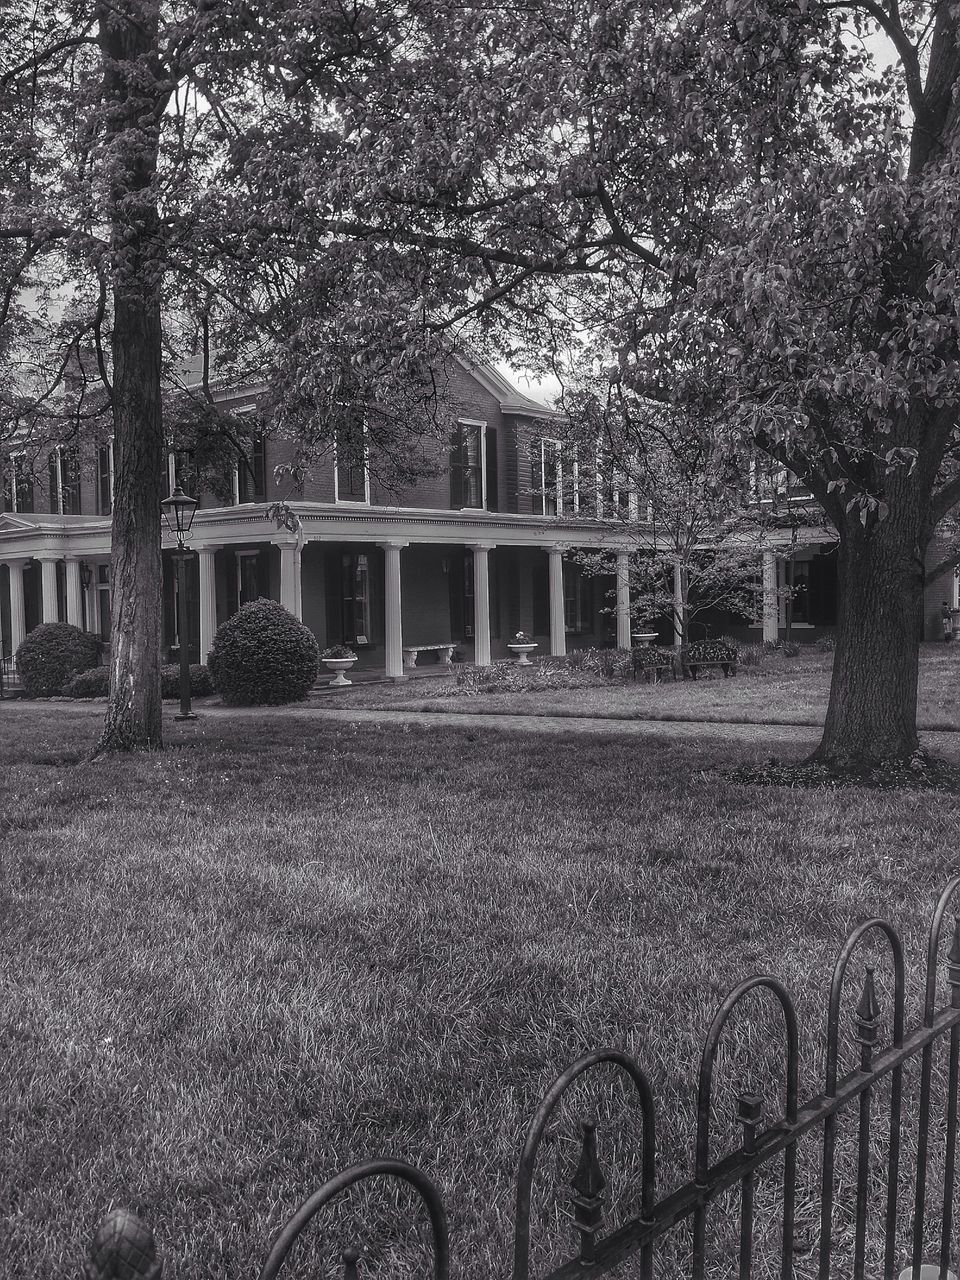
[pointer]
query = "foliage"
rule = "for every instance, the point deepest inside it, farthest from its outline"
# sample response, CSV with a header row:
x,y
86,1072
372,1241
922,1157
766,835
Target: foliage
x,y
93,683
609,664
263,656
201,683
825,643
790,648
51,654
510,677
338,651
521,637
652,655
709,651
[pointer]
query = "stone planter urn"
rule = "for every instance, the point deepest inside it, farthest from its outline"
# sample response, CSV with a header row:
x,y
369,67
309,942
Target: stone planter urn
x,y
521,651
339,665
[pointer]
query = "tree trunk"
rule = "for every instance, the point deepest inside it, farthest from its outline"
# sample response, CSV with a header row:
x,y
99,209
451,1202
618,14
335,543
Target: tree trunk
x,y
872,713
134,101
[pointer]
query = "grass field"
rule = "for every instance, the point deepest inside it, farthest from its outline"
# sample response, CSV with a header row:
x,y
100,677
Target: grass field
x,y
283,945
783,690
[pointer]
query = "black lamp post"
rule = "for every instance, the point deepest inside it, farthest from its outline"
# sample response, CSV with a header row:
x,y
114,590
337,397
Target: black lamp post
x,y
86,577
178,511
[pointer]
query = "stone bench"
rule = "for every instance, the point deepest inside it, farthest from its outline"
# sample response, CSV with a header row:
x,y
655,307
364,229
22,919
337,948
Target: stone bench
x,y
411,652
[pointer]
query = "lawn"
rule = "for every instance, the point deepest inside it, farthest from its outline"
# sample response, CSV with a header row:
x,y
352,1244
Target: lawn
x,y
782,690
284,944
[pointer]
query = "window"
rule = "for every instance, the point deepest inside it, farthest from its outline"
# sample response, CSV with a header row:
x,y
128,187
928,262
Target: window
x,y
610,501
251,474
355,597
351,475
105,479
64,481
182,471
577,599
468,486
547,479
248,576
103,600
18,486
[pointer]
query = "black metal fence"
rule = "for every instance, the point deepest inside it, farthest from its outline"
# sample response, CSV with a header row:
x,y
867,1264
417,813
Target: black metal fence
x,y
124,1245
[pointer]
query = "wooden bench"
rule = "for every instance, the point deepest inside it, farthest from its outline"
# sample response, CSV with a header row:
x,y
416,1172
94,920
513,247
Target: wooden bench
x,y
690,669
411,652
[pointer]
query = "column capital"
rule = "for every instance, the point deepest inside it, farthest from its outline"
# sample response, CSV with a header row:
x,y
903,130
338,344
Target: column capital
x,y
208,546
47,557
559,549
15,562
393,542
480,546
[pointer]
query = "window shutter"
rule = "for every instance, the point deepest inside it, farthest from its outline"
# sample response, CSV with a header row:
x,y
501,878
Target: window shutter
x,y
493,493
455,580
263,573
53,470
232,594
456,468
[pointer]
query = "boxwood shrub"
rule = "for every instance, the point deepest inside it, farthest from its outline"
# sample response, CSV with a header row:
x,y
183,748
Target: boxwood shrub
x,y
51,654
263,656
201,685
94,683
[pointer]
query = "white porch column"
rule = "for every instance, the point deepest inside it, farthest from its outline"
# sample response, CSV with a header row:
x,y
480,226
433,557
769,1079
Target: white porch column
x,y
771,598
208,599
558,633
48,579
74,612
677,605
290,578
623,600
481,602
18,626
393,610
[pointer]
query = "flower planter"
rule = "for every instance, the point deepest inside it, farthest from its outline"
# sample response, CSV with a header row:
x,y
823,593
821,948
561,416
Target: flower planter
x,y
339,665
520,651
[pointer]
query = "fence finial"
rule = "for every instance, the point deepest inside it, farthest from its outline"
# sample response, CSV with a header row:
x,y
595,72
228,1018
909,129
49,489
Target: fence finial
x,y
123,1248
588,1183
350,1257
868,1012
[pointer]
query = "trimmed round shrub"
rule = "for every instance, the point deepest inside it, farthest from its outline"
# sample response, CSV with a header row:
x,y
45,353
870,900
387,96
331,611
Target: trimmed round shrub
x,y
94,683
263,656
201,685
51,655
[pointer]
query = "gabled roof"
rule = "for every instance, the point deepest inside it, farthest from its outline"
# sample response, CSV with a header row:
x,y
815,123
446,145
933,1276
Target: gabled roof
x,y
511,399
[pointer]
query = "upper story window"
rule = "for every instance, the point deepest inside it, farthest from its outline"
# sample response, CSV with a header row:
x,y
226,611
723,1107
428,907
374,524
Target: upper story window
x,y
105,479
351,470
182,471
18,495
554,478
251,475
63,470
468,474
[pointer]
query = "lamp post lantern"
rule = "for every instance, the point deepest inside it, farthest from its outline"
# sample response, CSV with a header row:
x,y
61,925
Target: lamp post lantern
x,y
178,511
86,577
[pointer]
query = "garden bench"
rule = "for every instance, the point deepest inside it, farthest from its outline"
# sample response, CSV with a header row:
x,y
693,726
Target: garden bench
x,y
444,652
650,662
708,653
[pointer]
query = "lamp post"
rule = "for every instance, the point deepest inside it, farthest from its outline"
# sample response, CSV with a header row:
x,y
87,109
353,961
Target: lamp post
x,y
178,511
86,577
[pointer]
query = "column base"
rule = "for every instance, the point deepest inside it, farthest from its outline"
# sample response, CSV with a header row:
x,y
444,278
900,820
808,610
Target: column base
x,y
185,715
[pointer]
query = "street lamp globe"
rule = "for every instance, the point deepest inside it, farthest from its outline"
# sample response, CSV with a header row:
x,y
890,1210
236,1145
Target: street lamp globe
x,y
178,511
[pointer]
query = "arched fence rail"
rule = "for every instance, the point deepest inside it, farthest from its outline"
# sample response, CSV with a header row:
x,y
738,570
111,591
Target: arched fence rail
x,y
124,1245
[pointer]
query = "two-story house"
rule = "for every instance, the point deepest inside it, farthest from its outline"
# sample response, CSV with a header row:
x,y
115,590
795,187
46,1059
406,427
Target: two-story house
x,y
465,557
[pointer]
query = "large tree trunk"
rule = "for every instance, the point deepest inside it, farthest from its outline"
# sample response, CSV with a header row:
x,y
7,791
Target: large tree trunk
x,y
134,98
872,714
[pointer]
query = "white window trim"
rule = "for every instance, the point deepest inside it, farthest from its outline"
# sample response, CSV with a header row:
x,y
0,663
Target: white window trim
x,y
241,556
12,475
353,502
244,408
481,424
171,471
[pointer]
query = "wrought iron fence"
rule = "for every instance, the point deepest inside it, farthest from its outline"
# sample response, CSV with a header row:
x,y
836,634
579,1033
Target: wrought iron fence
x,y
124,1245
